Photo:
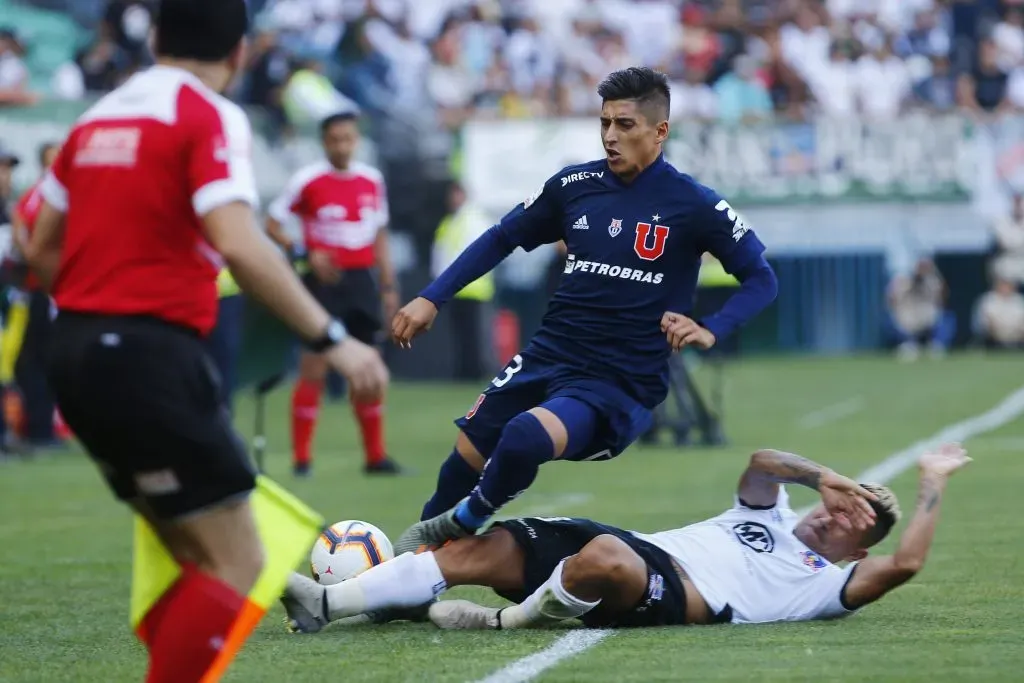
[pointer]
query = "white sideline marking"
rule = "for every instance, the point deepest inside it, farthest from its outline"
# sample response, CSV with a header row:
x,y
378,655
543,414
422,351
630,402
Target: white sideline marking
x,y
528,668
577,642
556,504
833,413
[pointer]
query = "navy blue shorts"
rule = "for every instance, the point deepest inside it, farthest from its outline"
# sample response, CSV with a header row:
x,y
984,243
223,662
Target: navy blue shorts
x,y
528,381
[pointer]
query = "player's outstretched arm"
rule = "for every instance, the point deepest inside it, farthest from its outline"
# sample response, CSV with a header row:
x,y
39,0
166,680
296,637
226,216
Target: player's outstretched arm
x,y
478,259
875,576
534,222
262,272
843,497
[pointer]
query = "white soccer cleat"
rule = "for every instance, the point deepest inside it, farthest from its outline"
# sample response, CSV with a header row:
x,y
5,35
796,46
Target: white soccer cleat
x,y
305,601
463,614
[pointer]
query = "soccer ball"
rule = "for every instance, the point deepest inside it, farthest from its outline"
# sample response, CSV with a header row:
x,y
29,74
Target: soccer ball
x,y
347,549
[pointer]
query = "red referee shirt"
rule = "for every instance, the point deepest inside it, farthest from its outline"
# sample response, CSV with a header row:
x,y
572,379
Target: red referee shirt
x,y
341,211
135,175
28,209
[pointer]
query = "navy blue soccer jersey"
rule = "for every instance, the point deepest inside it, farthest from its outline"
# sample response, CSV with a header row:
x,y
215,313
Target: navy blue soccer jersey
x,y
634,252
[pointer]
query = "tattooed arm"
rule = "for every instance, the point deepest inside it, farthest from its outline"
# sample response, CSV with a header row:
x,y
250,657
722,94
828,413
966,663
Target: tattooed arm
x,y
759,485
876,576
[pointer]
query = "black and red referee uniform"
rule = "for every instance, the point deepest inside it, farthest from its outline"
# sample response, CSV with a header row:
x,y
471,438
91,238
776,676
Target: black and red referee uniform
x,y
342,212
136,288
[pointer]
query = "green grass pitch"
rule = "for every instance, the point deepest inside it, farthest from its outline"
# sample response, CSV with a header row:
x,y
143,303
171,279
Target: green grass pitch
x,y
66,550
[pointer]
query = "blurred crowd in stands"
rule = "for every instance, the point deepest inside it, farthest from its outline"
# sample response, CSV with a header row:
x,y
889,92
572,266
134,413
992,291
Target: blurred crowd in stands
x,y
730,60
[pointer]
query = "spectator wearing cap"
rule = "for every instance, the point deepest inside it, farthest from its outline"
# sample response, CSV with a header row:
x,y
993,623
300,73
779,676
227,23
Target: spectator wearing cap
x,y
13,72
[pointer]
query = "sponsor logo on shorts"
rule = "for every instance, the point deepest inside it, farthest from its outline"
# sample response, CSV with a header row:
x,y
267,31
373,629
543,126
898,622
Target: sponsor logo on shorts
x,y
158,483
655,591
476,406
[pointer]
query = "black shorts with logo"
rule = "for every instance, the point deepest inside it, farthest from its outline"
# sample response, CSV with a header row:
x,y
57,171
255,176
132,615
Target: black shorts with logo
x,y
547,541
143,397
354,299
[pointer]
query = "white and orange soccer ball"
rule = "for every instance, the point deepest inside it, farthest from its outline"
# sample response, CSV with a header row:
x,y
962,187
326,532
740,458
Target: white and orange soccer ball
x,y
347,549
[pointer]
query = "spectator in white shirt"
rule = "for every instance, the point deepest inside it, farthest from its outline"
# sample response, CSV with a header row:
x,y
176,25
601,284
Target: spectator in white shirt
x,y
1001,316
1009,234
834,83
693,99
805,42
1008,35
917,308
13,72
883,83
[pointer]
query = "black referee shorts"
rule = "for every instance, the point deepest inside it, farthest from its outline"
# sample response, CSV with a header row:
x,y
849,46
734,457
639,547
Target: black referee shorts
x,y
547,541
143,397
355,300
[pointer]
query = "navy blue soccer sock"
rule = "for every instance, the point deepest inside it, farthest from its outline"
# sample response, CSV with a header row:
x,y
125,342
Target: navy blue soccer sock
x,y
511,469
454,482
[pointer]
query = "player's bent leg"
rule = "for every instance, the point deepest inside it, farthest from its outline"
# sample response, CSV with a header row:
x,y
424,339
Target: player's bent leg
x,y
605,573
458,475
559,426
306,408
512,467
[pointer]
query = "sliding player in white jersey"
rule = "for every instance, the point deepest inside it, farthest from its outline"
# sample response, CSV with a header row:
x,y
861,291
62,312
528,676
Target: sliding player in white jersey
x,y
757,562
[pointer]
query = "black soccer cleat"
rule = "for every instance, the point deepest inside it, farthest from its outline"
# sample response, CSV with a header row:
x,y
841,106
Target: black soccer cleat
x,y
302,469
387,466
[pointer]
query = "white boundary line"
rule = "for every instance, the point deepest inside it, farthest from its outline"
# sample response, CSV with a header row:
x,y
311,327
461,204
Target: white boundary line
x,y
833,413
579,641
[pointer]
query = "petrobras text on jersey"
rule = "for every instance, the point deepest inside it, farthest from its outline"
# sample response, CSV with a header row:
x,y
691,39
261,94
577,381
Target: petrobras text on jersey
x,y
623,273
582,175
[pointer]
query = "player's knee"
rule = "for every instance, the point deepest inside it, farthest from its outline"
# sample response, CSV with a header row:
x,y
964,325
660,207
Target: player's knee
x,y
525,438
603,565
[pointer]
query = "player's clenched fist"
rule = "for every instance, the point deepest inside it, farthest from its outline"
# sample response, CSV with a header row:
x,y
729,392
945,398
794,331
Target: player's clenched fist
x,y
415,317
363,368
681,331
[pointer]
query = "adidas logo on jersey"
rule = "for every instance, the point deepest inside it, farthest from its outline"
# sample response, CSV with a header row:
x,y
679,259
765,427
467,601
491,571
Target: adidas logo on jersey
x,y
581,223
635,274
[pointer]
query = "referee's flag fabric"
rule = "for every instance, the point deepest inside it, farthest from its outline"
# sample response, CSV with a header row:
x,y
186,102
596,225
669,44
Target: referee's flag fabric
x,y
287,527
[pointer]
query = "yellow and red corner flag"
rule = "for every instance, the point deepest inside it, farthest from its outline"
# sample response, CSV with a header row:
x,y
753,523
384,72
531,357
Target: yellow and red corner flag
x,y
287,527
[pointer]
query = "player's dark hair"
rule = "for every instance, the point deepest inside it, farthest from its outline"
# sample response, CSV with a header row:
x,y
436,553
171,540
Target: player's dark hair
x,y
204,30
44,148
887,512
341,117
647,87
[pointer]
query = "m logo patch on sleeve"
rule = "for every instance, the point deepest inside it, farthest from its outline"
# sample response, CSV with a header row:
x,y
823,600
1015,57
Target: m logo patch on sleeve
x,y
755,536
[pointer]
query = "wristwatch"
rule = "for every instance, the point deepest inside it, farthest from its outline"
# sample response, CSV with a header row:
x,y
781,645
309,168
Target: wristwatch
x,y
334,334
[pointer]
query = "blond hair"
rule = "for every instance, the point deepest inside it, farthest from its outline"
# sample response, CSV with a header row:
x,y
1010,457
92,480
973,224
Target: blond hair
x,y
887,511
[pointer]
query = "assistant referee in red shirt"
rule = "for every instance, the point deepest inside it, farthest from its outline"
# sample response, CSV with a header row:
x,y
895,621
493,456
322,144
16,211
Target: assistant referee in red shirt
x,y
152,193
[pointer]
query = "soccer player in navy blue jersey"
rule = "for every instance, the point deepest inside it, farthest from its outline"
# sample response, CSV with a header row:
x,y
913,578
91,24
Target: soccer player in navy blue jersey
x,y
583,389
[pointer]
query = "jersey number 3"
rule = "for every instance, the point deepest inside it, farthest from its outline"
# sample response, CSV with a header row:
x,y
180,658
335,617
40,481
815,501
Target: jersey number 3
x,y
649,248
510,371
